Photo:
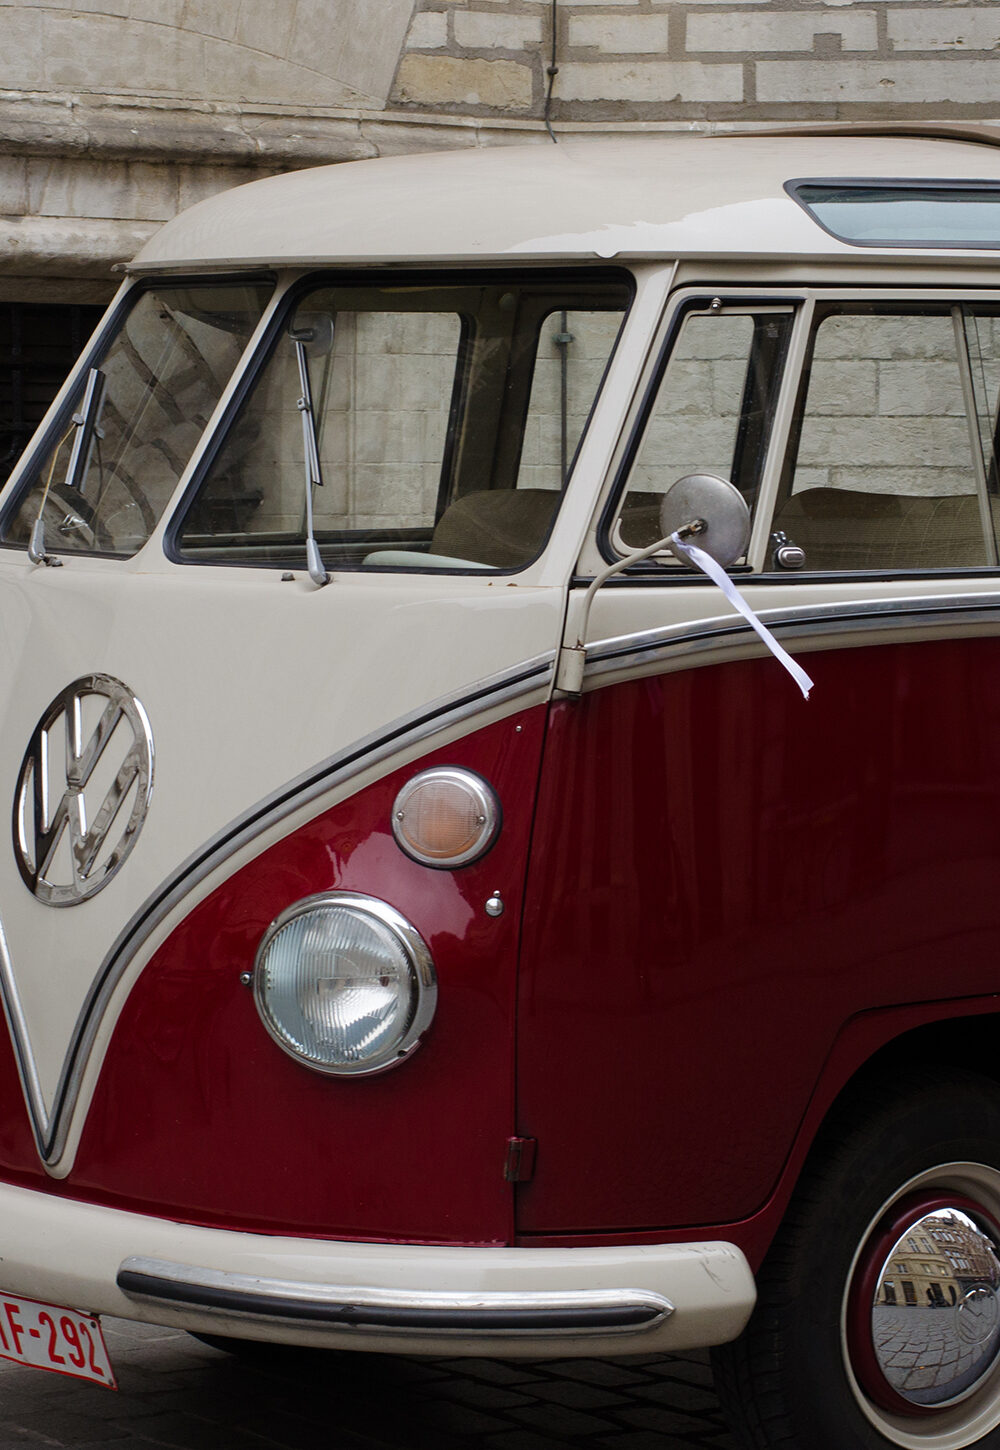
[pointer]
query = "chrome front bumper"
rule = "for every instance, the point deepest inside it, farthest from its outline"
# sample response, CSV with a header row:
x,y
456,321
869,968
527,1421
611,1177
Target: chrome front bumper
x,y
398,1298
601,1311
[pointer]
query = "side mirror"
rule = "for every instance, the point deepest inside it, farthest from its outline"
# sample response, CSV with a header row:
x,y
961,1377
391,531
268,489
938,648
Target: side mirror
x,y
710,512
703,507
315,330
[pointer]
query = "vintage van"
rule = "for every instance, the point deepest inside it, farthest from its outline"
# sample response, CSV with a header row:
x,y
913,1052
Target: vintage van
x,y
433,917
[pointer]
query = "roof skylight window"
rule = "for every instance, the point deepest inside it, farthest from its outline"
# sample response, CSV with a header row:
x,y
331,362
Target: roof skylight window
x,y
904,214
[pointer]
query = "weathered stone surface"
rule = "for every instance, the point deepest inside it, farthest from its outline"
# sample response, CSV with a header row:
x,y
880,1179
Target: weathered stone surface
x,y
263,25
874,83
23,46
503,85
489,30
125,110
59,188
210,17
664,81
622,34
428,31
293,52
354,42
54,246
123,129
787,30
945,28
13,185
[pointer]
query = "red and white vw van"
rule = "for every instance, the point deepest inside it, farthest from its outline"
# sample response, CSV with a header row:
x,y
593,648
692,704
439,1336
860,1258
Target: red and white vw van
x,y
433,920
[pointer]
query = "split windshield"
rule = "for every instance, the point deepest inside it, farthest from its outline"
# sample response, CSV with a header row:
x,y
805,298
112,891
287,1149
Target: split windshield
x,y
123,440
410,426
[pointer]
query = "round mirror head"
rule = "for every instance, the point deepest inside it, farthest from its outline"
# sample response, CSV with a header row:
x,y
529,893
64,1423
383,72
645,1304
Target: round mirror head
x,y
315,329
721,508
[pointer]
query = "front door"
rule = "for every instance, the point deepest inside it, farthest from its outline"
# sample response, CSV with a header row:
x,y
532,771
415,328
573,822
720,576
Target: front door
x,y
723,874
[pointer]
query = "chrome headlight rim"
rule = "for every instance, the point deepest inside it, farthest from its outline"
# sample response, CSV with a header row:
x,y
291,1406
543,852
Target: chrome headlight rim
x,y
486,800
419,961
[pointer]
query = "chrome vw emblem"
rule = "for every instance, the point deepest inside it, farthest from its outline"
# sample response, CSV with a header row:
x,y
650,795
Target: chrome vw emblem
x,y
83,790
976,1314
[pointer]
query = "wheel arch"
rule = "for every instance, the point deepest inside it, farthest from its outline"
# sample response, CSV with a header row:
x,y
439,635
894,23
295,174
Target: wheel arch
x,y
901,1144
882,1047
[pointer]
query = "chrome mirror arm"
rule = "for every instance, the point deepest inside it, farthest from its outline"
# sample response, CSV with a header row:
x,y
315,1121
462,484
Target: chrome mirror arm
x,y
569,674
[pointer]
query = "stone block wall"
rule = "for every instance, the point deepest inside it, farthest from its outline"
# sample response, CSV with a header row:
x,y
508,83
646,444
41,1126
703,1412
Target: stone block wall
x,y
115,114
677,60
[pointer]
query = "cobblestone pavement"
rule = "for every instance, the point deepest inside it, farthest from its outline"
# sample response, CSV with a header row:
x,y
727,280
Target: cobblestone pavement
x,y
179,1393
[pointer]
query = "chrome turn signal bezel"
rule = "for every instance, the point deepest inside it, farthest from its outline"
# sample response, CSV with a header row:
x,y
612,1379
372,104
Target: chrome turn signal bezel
x,y
485,803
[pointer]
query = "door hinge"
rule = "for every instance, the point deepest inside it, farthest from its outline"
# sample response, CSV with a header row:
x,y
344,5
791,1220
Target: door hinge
x,y
519,1163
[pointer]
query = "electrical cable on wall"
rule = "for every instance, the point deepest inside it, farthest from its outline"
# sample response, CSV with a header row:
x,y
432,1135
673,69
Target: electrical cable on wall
x,y
551,71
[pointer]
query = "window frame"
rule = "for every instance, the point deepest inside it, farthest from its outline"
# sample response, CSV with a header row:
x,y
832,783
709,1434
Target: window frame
x,y
457,276
758,568
695,299
895,302
25,473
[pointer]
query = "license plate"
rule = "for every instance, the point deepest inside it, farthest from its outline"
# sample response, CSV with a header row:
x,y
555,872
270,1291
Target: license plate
x,y
48,1337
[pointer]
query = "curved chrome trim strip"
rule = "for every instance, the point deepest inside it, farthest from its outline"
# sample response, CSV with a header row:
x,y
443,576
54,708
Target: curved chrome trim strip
x,y
50,1129
818,622
591,1311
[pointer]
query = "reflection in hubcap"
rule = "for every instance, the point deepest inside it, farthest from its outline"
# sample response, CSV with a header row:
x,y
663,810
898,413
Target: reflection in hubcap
x,y
976,1316
935,1317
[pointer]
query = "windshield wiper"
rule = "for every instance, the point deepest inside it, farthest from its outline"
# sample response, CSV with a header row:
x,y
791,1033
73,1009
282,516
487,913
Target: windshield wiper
x,y
314,477
87,430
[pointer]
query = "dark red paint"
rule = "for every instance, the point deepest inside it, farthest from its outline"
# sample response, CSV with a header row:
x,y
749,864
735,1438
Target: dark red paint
x,y
734,899
199,1116
722,877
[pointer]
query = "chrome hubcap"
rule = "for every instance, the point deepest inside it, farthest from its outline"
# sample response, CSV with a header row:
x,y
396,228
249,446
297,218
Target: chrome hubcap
x,y
925,1317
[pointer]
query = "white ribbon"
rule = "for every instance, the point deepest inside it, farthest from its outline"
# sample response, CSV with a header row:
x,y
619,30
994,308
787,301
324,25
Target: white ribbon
x,y
718,575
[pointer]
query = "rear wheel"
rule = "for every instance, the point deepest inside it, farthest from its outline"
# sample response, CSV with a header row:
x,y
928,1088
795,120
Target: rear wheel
x,y
878,1317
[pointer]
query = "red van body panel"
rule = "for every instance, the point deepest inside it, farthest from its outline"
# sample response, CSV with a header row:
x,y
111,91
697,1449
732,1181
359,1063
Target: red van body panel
x,y
718,937
200,1117
722,878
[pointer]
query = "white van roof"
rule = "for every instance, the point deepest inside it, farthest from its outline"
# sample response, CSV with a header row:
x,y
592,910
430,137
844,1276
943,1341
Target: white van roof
x,y
634,197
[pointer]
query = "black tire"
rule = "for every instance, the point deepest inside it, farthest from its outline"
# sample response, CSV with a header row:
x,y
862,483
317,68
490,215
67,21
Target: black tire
x,y
799,1378
266,1354
252,1351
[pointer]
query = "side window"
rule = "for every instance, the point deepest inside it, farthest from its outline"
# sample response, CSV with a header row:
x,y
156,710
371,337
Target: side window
x,y
892,463
712,410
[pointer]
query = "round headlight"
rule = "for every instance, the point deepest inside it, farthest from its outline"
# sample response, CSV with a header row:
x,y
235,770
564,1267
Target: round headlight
x,y
446,817
344,983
